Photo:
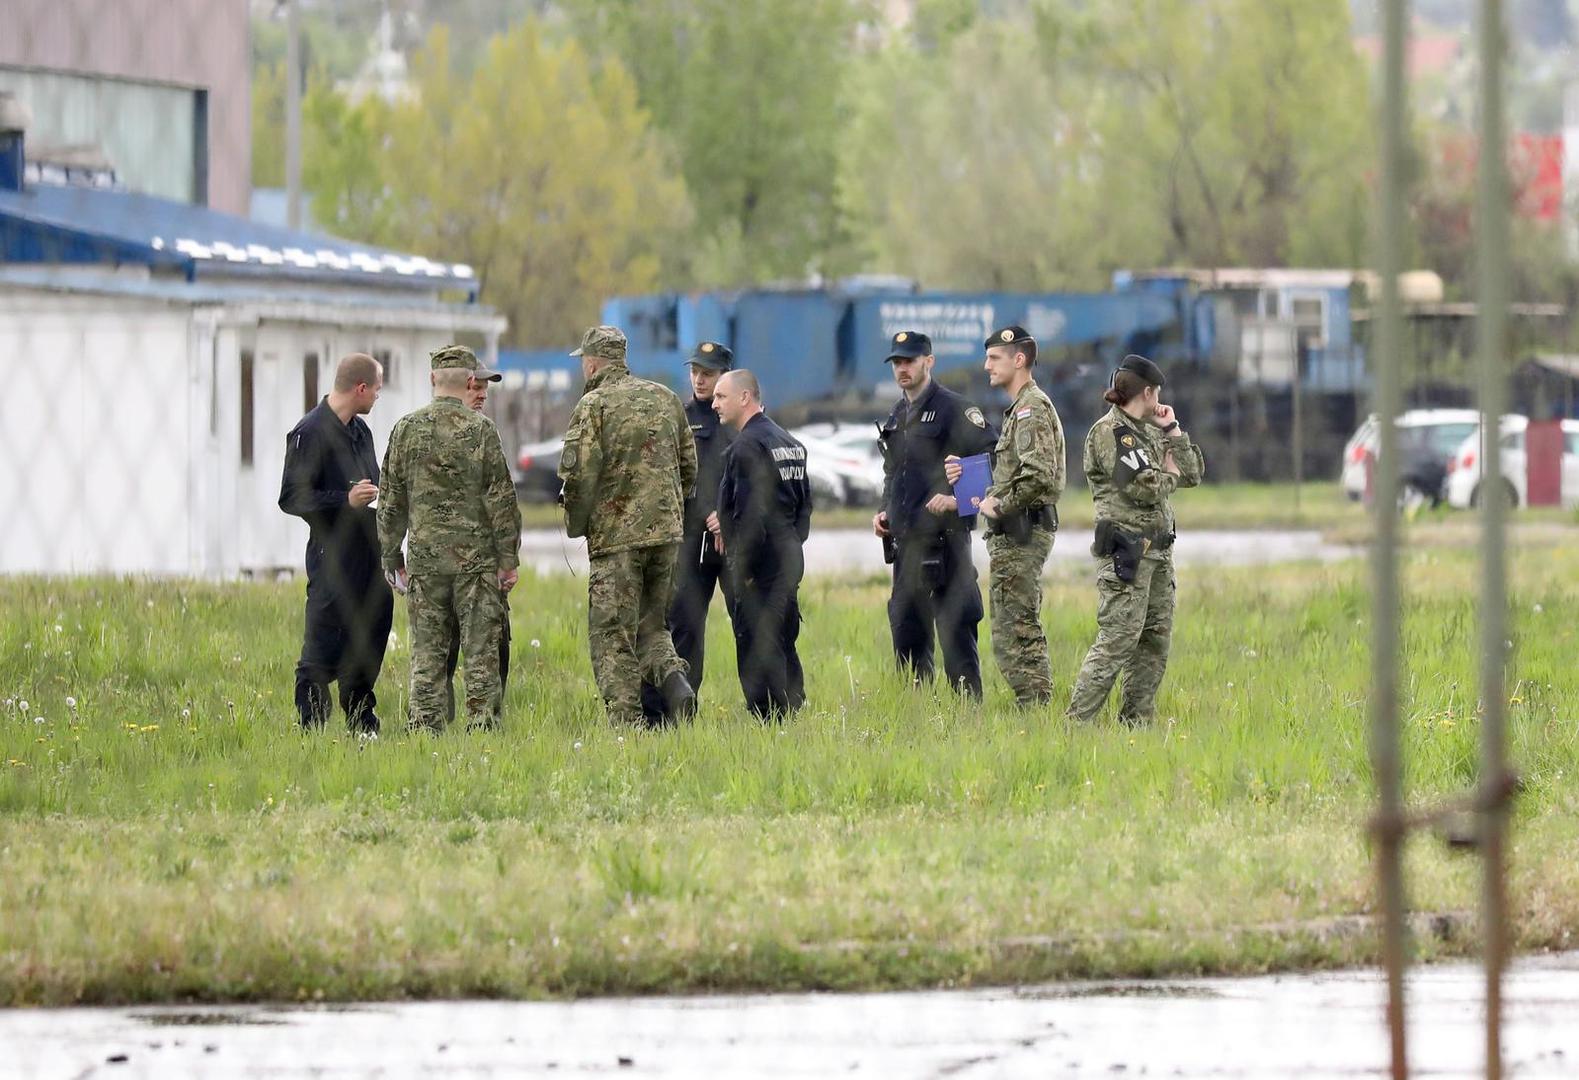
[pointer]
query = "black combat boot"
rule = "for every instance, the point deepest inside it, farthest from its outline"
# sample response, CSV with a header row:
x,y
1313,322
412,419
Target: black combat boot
x,y
678,697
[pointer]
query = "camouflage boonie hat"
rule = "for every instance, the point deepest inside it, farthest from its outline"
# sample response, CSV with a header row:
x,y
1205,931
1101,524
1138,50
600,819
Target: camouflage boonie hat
x,y
607,342
459,356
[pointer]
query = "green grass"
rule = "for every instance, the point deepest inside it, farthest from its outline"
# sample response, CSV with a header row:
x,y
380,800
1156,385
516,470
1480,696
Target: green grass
x,y
172,836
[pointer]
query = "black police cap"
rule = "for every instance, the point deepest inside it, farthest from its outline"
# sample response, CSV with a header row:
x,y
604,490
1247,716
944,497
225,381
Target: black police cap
x,y
1009,335
909,344
714,355
1139,365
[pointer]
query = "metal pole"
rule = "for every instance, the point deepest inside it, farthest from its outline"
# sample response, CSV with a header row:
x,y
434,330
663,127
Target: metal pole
x,y
1299,427
1384,556
1491,326
293,116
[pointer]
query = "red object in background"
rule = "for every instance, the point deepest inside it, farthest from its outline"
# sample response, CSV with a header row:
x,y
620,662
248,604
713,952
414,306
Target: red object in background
x,y
1543,463
1536,170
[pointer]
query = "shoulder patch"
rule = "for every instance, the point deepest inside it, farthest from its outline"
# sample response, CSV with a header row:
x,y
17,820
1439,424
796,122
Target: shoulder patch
x,y
1127,439
974,415
1022,413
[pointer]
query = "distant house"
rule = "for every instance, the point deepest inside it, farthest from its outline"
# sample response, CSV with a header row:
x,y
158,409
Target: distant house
x,y
155,354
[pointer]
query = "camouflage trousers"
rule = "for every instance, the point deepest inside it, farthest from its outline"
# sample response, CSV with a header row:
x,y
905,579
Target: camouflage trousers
x,y
444,608
1015,589
1134,629
627,601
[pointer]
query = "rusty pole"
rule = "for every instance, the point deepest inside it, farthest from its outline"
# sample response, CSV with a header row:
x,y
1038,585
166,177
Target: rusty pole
x,y
1389,824
1491,245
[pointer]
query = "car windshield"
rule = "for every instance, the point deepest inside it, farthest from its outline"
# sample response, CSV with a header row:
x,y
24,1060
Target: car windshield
x,y
1440,439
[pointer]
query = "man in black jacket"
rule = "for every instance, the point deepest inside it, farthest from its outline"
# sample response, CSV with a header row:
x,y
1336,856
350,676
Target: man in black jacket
x,y
700,567
331,482
934,577
763,518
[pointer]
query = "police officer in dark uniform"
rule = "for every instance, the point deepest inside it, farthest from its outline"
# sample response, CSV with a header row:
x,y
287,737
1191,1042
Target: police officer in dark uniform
x,y
700,565
926,538
763,518
331,480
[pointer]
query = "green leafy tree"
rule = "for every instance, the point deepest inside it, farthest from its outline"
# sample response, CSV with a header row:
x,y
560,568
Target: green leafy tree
x,y
1239,130
539,169
751,93
968,169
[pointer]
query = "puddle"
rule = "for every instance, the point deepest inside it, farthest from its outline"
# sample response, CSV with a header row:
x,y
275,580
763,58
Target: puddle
x,y
1309,1027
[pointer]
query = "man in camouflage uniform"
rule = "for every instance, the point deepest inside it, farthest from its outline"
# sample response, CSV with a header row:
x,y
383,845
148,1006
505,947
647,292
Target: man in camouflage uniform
x,y
627,465
1021,507
1135,457
446,490
475,398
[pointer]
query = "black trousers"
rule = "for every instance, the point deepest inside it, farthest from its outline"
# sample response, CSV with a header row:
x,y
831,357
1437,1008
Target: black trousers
x,y
349,612
453,662
696,574
935,590
765,613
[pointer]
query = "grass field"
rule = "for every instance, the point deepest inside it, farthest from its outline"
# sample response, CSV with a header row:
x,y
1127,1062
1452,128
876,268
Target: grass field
x,y
167,834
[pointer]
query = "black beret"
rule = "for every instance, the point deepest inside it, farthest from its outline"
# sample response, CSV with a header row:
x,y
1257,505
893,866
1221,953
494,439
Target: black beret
x,y
909,344
1009,335
1139,365
712,354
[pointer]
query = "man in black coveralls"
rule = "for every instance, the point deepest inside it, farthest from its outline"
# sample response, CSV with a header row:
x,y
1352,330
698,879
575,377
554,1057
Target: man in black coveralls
x,y
763,518
331,481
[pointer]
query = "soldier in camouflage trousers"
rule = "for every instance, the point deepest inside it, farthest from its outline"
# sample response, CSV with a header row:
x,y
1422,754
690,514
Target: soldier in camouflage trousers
x,y
1021,507
1135,457
447,492
628,464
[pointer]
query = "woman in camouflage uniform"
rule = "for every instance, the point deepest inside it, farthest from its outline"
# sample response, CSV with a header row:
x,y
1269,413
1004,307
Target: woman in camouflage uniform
x,y
1135,457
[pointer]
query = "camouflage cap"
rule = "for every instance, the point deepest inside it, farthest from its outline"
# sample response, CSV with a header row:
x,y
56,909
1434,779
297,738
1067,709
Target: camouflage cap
x,y
607,342
459,356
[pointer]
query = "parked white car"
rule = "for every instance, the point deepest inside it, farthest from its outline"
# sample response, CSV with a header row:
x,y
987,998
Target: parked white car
x,y
860,472
1464,470
1426,437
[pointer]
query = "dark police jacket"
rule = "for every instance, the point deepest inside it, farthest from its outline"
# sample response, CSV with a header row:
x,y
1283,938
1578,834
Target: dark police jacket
x,y
764,498
713,438
916,437
323,459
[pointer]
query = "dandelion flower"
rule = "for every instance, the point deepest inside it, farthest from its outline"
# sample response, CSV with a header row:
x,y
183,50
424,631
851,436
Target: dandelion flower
x,y
536,644
576,745
59,629
186,714
38,719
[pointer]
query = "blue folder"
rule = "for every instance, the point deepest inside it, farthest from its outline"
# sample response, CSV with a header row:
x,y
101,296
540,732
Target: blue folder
x,y
973,482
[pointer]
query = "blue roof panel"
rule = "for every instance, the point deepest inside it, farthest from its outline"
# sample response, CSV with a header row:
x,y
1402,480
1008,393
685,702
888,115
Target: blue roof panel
x,y
59,224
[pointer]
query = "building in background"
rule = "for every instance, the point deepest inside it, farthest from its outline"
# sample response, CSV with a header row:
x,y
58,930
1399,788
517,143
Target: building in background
x,y
155,94
156,353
